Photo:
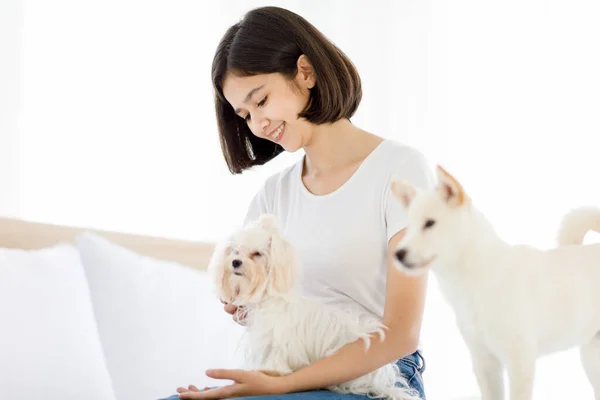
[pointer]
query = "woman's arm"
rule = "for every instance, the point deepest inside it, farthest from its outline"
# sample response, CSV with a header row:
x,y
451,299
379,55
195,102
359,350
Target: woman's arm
x,y
404,307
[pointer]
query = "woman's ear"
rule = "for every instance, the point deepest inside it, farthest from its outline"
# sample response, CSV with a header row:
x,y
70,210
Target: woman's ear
x,y
306,73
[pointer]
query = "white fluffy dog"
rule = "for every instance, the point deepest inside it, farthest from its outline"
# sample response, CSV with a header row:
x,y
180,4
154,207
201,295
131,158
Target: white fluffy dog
x,y
257,268
513,303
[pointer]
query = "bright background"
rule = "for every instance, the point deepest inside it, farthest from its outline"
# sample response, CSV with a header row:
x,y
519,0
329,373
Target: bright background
x,y
106,120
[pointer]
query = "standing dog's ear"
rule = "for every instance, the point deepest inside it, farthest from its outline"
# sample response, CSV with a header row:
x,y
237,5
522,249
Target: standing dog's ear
x,y
450,189
403,191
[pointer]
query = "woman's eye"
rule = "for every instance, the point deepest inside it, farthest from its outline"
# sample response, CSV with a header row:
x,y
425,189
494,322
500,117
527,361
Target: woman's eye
x,y
262,102
247,118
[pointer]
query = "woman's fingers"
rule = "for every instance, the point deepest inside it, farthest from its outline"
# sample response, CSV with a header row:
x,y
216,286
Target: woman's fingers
x,y
230,308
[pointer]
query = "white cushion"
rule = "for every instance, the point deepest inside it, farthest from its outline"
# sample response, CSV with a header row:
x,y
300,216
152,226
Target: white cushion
x,y
49,344
160,322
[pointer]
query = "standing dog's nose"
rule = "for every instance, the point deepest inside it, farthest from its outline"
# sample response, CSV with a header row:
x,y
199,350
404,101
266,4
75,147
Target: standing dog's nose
x,y
401,254
236,263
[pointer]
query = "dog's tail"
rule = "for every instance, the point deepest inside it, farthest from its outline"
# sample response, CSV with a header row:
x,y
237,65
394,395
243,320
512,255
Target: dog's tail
x,y
576,223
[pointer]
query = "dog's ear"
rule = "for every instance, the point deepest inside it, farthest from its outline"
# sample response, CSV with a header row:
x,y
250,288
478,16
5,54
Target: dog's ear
x,y
216,270
283,265
269,222
450,189
403,191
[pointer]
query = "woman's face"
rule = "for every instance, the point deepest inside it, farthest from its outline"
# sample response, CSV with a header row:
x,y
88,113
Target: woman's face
x,y
270,104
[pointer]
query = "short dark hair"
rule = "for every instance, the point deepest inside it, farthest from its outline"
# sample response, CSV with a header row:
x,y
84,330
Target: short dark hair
x,y
270,40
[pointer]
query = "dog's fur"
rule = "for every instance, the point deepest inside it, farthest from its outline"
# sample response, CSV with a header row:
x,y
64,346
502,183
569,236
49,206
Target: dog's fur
x,y
513,303
257,268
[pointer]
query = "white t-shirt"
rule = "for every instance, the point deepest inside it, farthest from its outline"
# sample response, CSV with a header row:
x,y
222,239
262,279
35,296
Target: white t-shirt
x,y
342,237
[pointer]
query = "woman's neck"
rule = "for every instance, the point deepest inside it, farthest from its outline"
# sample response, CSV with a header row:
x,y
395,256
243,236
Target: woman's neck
x,y
336,145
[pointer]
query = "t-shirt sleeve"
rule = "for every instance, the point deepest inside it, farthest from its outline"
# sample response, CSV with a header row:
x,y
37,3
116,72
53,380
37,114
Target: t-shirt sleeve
x,y
416,170
261,202
257,207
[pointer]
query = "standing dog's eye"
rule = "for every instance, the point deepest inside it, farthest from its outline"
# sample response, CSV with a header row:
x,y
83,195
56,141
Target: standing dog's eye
x,y
256,254
428,224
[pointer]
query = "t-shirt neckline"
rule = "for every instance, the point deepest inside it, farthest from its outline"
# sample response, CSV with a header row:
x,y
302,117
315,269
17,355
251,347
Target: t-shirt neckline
x,y
368,158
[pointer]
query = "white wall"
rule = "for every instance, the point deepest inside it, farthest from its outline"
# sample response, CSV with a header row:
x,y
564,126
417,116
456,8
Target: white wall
x,y
524,94
119,130
11,25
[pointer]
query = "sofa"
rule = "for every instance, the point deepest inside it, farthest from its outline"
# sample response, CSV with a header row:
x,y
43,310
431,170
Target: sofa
x,y
99,315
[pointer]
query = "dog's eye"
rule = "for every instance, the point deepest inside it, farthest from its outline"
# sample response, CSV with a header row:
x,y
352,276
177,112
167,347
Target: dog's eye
x,y
428,224
256,254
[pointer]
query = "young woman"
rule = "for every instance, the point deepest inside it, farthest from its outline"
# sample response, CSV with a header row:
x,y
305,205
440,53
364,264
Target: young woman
x,y
282,86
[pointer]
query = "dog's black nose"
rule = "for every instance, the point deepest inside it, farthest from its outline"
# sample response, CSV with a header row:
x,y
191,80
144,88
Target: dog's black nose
x,y
400,255
236,263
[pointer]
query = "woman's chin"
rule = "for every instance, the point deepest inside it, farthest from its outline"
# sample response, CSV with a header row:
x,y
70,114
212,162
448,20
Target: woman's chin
x,y
287,149
291,147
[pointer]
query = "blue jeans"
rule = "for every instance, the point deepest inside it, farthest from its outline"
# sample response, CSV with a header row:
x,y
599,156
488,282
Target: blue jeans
x,y
411,366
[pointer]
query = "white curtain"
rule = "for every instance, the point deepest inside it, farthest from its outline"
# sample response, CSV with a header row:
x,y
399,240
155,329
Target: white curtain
x,y
117,128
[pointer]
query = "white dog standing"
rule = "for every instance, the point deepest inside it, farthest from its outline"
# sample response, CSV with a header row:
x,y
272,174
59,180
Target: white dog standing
x,y
513,303
258,269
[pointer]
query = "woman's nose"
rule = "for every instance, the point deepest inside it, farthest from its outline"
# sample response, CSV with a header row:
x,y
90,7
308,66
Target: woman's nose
x,y
262,126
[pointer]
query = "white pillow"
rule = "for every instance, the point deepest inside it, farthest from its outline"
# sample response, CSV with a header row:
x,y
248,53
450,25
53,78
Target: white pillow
x,y
160,322
49,344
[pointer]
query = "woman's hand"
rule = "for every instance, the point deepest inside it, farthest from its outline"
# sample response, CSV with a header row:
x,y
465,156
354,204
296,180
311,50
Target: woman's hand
x,y
238,313
245,383
190,388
